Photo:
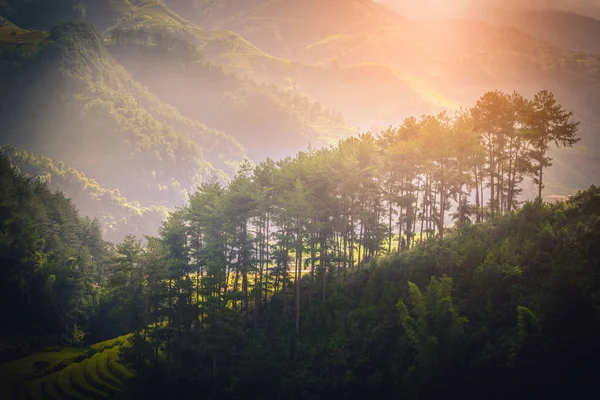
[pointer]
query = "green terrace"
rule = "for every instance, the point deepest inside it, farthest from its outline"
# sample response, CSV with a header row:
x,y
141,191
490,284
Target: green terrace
x,y
24,42
67,373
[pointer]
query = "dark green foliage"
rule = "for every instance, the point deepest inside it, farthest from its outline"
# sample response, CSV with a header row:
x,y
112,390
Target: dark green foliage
x,y
507,309
276,286
210,303
51,259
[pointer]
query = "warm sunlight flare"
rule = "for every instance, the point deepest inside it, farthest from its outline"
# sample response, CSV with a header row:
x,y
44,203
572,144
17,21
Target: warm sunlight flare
x,y
299,199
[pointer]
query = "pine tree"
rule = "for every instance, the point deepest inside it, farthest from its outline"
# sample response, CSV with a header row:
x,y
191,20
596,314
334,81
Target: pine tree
x,y
548,122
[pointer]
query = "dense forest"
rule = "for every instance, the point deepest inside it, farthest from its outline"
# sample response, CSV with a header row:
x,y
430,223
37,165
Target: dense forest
x,y
396,264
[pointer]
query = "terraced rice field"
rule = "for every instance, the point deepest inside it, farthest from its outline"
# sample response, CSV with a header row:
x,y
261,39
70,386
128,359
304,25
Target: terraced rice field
x,y
100,376
24,41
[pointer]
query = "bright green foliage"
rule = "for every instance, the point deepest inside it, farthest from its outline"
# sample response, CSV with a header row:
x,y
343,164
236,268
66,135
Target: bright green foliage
x,y
109,344
24,367
528,323
70,374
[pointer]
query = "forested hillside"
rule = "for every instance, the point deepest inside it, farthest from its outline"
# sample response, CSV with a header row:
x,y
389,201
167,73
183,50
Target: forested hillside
x,y
52,260
73,102
503,309
177,71
339,266
66,97
117,215
297,199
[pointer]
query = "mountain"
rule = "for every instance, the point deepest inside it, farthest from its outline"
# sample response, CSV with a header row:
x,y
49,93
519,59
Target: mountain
x,y
284,27
442,63
366,93
443,59
43,14
104,105
448,56
426,9
302,121
212,75
564,29
73,102
172,93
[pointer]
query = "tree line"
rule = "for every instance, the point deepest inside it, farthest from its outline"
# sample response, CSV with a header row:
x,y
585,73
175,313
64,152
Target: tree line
x,y
243,281
302,226
52,261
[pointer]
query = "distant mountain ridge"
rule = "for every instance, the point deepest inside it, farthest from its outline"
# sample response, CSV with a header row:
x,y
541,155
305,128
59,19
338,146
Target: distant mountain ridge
x,y
462,8
117,215
166,94
71,100
564,29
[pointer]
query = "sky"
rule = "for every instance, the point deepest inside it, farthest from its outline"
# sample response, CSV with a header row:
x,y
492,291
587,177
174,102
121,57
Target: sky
x,y
439,8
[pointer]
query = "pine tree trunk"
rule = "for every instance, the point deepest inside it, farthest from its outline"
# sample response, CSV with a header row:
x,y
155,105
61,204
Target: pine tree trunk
x,y
540,183
509,186
352,244
482,203
235,288
477,215
416,204
169,319
324,261
442,205
313,255
267,255
245,266
390,228
492,171
360,244
298,282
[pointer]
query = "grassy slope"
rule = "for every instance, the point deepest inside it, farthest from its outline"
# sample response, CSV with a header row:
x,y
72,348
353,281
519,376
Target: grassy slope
x,y
24,368
22,42
81,373
12,35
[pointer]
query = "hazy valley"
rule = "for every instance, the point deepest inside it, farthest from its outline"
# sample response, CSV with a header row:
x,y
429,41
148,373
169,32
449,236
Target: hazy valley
x,y
242,79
